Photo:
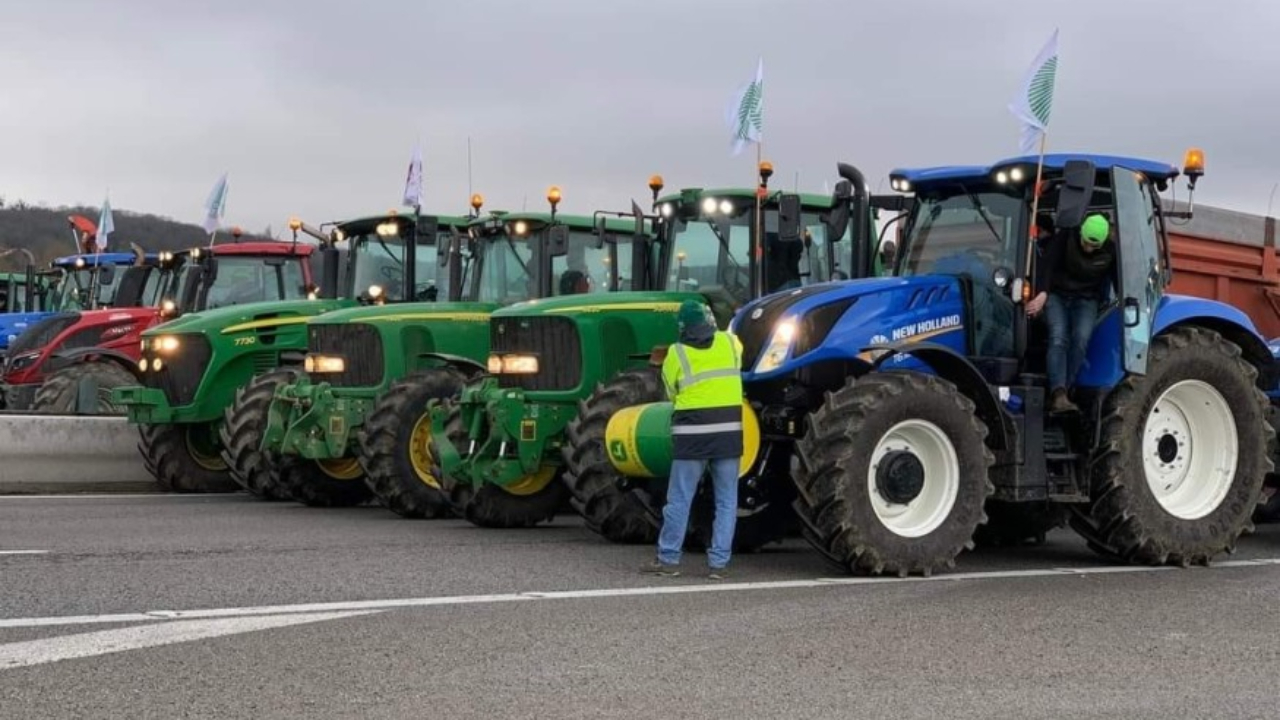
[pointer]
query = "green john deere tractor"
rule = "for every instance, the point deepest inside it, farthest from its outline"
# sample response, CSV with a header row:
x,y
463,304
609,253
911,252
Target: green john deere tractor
x,y
521,441
197,362
371,371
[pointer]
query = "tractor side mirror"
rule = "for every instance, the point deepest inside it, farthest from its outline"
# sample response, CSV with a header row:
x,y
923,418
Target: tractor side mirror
x,y
427,228
789,223
837,221
1078,177
106,274
558,239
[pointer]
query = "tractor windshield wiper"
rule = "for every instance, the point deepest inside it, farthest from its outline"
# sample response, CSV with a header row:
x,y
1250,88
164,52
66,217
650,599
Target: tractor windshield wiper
x,y
724,243
982,212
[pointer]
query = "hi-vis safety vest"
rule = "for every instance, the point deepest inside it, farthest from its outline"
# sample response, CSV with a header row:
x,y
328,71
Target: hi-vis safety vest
x,y
705,386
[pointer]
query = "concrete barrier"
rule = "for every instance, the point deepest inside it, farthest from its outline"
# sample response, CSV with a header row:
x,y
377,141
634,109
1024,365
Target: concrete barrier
x,y
61,453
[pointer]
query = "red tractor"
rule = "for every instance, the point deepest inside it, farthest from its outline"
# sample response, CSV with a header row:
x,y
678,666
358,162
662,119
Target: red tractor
x,y
69,362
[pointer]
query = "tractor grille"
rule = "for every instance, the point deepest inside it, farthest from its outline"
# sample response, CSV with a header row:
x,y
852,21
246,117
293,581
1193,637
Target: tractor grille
x,y
754,331
180,374
360,346
553,339
41,333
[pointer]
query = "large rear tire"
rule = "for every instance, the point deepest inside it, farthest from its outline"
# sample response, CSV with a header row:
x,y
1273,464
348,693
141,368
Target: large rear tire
x,y
185,458
621,516
396,450
1184,450
241,434
60,391
893,474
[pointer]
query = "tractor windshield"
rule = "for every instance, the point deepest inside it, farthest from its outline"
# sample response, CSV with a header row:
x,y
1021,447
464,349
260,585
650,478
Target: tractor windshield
x,y
80,287
958,231
504,268
379,261
245,279
714,251
588,266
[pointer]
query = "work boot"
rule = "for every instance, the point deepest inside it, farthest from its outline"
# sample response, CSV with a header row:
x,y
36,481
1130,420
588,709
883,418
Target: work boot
x,y
653,567
1060,404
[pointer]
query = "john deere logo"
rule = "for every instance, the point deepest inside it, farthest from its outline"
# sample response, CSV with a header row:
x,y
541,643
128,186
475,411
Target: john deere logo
x,y
755,314
618,450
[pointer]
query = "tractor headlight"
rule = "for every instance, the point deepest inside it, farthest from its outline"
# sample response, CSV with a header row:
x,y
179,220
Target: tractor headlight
x,y
784,333
513,364
166,344
324,364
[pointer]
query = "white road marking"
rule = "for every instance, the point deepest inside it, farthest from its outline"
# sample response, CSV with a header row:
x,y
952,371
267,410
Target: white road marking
x,y
119,496
673,588
104,642
24,552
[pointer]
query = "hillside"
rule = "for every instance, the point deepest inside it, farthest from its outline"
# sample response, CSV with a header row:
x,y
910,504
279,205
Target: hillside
x,y
45,232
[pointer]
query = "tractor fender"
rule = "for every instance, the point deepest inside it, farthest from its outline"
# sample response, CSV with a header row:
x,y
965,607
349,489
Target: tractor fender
x,y
1104,364
62,358
956,369
468,366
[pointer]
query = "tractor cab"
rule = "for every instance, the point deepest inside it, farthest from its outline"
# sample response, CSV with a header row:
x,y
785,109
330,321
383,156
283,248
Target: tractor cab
x,y
514,257
976,224
91,282
236,274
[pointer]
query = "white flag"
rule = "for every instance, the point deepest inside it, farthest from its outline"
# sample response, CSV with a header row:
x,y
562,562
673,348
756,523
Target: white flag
x,y
1034,102
106,226
413,181
745,114
216,205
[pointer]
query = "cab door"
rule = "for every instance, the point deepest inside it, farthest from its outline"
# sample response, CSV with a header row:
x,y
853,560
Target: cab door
x,y
1140,275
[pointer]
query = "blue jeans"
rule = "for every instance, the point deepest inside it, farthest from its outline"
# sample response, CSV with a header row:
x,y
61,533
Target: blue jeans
x,y
1070,322
685,475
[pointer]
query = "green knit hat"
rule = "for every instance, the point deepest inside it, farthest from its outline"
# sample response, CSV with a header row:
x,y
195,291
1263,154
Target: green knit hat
x,y
692,314
1095,230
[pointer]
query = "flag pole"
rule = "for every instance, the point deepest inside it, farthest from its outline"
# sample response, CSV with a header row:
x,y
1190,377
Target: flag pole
x,y
1035,211
760,189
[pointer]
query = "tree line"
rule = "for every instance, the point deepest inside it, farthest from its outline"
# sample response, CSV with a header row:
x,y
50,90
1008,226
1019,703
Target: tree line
x,y
45,232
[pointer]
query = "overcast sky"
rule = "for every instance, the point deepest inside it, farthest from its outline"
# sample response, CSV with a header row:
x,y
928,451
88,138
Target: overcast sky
x,y
314,107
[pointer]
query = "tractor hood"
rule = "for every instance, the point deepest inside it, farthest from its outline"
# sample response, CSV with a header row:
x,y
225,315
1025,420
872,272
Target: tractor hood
x,y
227,318
409,312
839,321
661,302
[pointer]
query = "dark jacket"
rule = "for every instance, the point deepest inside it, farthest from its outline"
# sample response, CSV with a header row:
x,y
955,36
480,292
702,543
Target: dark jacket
x,y
1063,268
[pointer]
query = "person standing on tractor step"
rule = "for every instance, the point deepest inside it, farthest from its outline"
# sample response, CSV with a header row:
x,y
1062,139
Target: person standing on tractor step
x,y
702,373
1073,277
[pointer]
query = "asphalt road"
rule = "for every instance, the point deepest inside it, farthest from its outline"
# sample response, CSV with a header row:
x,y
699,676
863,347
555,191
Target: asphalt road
x,y
165,607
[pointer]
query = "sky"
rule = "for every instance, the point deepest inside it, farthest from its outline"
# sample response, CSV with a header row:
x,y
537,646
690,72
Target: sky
x,y
314,108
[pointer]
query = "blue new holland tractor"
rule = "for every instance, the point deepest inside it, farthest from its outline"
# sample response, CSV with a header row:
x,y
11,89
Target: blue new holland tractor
x,y
911,410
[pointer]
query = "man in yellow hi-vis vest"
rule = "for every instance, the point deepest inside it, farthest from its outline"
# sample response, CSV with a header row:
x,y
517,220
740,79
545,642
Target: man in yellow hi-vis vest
x,y
702,373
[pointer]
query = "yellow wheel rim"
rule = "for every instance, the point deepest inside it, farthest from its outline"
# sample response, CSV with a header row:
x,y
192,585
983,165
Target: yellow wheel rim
x,y
420,456
530,484
341,468
201,451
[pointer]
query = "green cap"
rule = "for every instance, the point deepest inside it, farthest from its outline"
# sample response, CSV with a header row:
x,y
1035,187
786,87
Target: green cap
x,y
692,314
1095,230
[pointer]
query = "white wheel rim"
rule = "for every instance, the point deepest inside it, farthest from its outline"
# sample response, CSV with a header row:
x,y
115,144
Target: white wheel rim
x,y
927,510
1189,449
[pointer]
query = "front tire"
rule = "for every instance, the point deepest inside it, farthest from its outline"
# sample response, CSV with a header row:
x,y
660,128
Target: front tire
x,y
1183,454
594,484
60,391
396,450
893,474
533,499
185,458
241,434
